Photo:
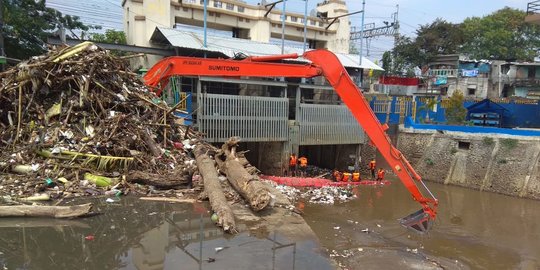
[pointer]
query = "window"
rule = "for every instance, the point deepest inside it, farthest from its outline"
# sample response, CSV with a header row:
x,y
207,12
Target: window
x,y
247,20
464,145
201,2
472,91
230,6
210,13
321,24
240,19
294,19
301,20
240,9
191,1
312,22
218,15
218,4
185,9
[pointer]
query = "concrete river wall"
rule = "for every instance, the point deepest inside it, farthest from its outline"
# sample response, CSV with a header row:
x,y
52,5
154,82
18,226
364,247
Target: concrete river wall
x,y
502,164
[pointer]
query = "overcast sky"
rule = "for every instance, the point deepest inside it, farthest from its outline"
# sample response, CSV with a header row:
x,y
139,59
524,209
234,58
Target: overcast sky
x,y
108,13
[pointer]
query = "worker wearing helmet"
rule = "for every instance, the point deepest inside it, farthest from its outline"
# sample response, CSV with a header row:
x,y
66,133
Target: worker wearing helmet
x,y
372,168
346,176
303,165
293,160
356,177
380,174
337,175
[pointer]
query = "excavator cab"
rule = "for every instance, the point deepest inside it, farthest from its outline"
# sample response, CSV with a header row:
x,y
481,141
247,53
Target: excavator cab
x,y
419,221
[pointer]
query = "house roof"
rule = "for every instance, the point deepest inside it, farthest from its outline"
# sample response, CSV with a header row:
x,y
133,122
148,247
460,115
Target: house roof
x,y
229,47
486,105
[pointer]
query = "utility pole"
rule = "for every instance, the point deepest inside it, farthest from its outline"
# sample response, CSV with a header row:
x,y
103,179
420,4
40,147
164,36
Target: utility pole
x,y
362,32
305,25
283,17
205,15
396,25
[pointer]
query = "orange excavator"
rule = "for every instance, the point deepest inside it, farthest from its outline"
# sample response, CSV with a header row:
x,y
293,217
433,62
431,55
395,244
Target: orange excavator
x,y
323,63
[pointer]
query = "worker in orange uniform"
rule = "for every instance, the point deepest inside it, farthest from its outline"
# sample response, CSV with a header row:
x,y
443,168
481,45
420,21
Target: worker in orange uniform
x,y
346,176
356,177
303,165
380,175
372,167
337,175
293,160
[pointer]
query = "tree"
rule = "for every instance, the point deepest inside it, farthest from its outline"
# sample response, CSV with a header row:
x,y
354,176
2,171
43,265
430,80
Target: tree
x,y
27,23
455,112
110,36
501,35
427,107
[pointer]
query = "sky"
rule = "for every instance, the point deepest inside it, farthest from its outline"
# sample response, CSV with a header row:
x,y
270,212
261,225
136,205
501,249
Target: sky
x,y
412,13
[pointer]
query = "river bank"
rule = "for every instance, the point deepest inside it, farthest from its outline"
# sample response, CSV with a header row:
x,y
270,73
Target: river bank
x,y
489,162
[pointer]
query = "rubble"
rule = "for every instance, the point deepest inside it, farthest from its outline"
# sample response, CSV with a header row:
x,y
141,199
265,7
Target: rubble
x,y
76,122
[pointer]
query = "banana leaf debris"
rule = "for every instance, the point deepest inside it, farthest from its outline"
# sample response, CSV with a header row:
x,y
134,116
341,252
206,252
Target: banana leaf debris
x,y
76,121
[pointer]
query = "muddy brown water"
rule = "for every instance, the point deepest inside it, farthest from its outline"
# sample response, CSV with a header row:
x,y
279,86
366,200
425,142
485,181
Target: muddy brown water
x,y
474,230
135,234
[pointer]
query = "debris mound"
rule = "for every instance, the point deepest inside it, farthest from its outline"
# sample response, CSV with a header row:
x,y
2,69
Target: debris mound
x,y
79,114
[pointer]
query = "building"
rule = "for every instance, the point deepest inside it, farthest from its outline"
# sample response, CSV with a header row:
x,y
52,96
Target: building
x,y
257,23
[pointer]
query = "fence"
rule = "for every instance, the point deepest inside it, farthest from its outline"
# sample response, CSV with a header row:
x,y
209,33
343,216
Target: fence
x,y
254,119
328,124
519,113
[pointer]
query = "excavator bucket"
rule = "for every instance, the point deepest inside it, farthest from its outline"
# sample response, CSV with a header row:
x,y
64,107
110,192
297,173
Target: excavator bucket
x,y
419,221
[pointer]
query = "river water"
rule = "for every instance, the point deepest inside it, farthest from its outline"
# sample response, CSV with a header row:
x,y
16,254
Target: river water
x,y
474,230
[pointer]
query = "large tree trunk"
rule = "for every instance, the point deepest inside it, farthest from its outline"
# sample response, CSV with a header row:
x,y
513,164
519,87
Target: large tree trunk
x,y
167,181
249,186
45,211
212,187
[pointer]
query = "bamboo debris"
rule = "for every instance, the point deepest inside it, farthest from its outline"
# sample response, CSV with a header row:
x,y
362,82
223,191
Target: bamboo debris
x,y
45,211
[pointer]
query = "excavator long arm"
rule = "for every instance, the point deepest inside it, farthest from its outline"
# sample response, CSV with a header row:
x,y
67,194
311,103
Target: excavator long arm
x,y
323,63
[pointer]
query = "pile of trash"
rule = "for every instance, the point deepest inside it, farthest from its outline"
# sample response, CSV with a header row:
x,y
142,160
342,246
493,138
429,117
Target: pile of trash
x,y
324,195
328,195
314,171
76,119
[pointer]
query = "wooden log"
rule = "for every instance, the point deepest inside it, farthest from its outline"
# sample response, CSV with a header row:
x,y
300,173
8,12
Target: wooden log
x,y
45,211
159,181
212,188
249,186
165,199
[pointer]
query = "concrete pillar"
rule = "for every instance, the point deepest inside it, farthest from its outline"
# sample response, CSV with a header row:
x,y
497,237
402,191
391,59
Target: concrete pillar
x,y
260,31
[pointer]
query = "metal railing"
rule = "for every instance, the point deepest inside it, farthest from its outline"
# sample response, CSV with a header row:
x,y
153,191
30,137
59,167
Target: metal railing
x,y
444,72
328,124
533,7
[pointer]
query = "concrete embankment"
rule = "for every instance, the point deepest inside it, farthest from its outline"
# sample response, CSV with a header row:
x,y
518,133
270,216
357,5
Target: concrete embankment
x,y
497,163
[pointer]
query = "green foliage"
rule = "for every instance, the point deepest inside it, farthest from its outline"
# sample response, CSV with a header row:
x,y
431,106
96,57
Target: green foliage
x,y
488,141
455,112
110,36
27,23
429,162
503,34
427,107
453,151
509,143
502,161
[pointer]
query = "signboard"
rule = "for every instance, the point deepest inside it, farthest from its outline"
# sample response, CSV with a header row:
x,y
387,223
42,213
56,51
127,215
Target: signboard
x,y
469,73
439,80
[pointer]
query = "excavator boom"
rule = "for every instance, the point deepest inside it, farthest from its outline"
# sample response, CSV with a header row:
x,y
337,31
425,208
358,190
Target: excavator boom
x,y
323,63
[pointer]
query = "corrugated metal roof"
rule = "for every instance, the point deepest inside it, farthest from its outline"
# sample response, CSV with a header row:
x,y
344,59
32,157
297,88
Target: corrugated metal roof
x,y
231,46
